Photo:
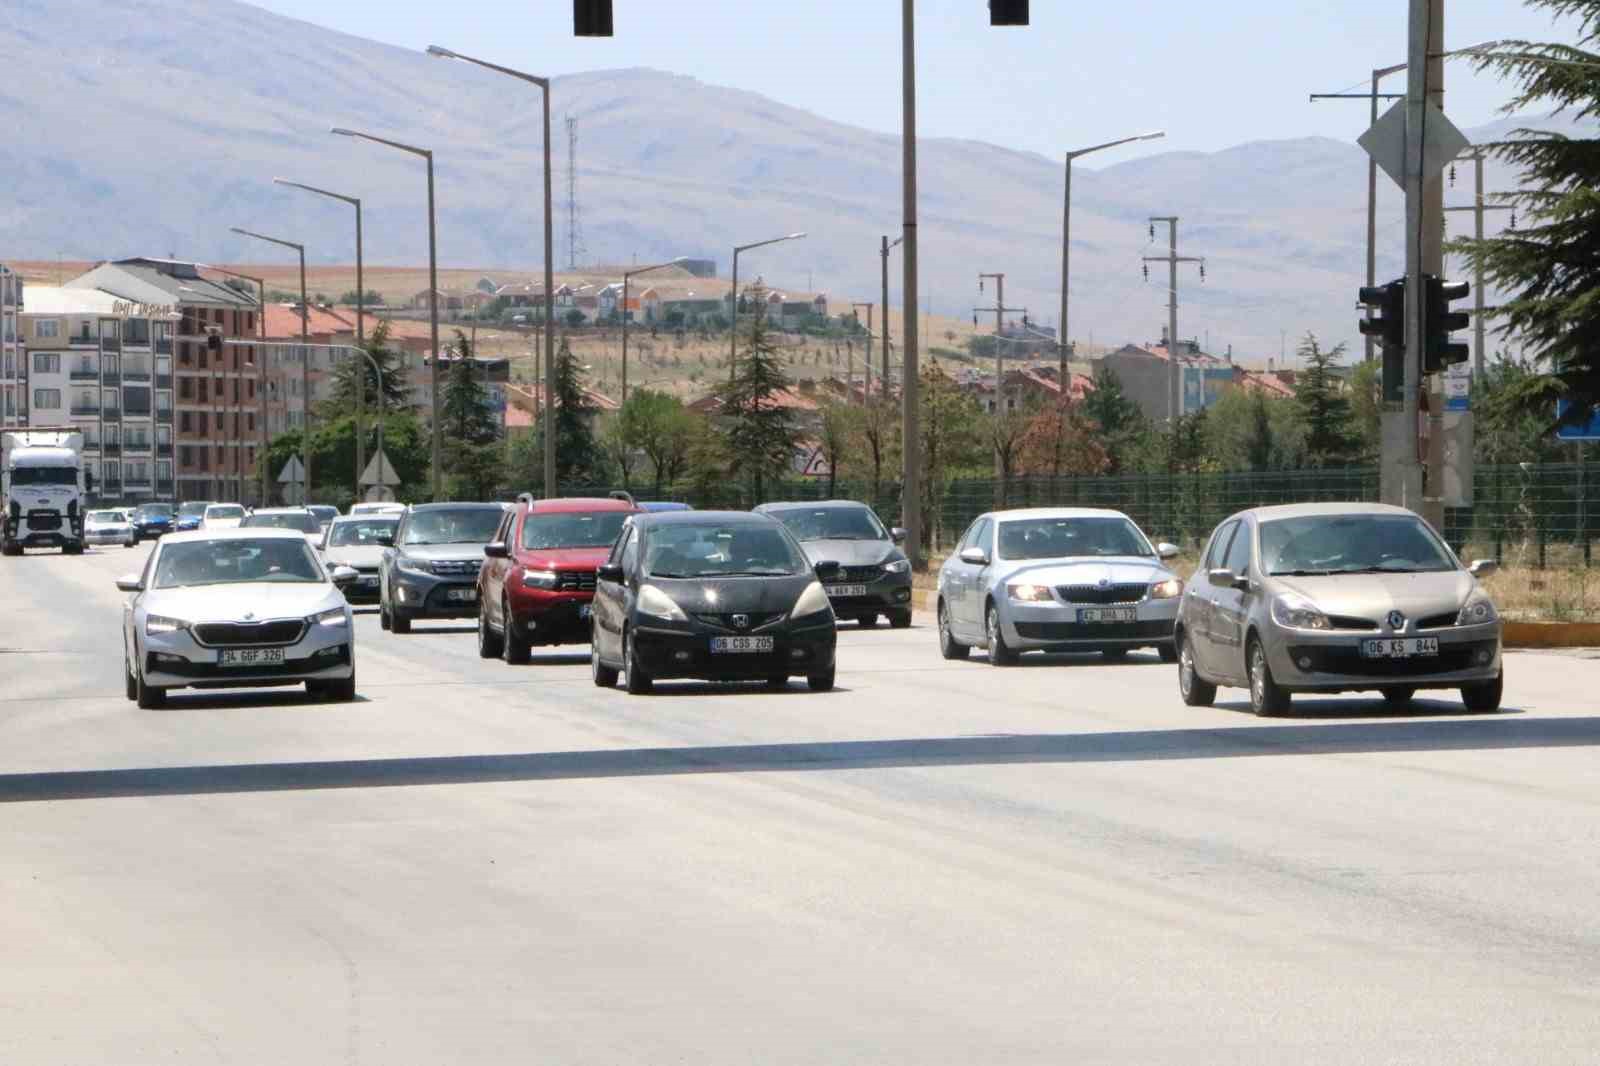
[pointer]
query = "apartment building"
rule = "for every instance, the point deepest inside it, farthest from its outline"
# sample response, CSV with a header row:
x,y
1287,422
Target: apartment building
x,y
13,403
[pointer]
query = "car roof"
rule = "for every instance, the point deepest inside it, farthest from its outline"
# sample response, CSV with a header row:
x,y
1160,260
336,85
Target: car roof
x,y
570,504
367,516
652,519
791,505
1055,512
462,505
256,533
211,505
280,510
1308,510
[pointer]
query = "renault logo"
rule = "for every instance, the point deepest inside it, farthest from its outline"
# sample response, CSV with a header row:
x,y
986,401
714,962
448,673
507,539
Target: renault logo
x,y
740,621
1105,582
1397,620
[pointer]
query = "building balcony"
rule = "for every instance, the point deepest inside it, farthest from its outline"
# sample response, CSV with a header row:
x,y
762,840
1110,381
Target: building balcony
x,y
164,418
136,448
85,410
136,375
111,447
163,381
164,488
81,373
163,346
110,344
111,414
111,377
84,339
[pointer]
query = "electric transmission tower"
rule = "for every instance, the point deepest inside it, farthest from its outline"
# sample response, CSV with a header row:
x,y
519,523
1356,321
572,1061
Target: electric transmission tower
x,y
574,222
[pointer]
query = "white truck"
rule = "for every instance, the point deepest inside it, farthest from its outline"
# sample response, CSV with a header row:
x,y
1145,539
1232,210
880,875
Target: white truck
x,y
41,480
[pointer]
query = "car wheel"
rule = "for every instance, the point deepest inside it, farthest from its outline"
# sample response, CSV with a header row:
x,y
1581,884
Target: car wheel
x,y
822,682
490,643
639,682
514,648
999,654
130,683
604,676
1114,655
1195,690
339,691
900,619
778,682
1399,696
1168,652
1266,698
867,621
148,698
1484,698
399,623
383,615
949,646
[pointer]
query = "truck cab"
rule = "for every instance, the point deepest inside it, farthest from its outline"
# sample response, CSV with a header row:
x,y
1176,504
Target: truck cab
x,y
42,475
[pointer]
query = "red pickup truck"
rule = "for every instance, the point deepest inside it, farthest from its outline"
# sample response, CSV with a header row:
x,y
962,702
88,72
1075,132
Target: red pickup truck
x,y
538,574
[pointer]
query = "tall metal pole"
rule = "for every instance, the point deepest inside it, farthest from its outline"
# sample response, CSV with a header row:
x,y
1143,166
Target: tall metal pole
x,y
911,451
433,341
1066,277
733,330
361,371
1433,263
883,379
1402,465
627,278
305,375
1477,280
551,489
1372,217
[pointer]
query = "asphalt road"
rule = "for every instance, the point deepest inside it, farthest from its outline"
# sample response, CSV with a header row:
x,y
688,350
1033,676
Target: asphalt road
x,y
936,863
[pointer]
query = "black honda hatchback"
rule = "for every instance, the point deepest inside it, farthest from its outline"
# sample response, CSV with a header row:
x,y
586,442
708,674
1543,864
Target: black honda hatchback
x,y
711,595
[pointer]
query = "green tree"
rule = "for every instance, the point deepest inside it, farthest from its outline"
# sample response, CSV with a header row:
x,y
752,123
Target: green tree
x,y
1186,444
349,372
464,408
1509,424
657,424
877,438
352,298
952,438
1366,406
618,450
1324,408
333,455
579,460
757,428
1119,418
834,439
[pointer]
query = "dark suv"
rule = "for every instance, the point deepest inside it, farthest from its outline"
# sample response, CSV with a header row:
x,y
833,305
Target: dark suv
x,y
874,575
538,574
432,569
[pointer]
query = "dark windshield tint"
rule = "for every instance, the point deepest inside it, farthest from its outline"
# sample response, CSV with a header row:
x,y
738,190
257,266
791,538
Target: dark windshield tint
x,y
711,549
150,510
44,475
832,523
1071,538
466,525
597,529
220,562
364,533
194,507
1348,543
299,521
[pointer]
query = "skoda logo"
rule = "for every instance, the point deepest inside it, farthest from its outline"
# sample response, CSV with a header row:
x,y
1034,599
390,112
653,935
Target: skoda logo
x,y
740,621
249,616
1396,620
1105,582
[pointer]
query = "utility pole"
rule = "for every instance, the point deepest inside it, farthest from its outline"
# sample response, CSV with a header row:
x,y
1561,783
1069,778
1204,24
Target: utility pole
x,y
883,379
1431,237
1000,311
866,378
1172,259
1478,209
911,451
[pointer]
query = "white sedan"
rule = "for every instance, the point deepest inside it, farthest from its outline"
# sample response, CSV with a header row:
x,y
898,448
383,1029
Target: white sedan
x,y
222,516
109,527
236,608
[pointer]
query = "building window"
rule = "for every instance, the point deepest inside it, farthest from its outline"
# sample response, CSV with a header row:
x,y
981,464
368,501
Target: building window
x,y
185,424
185,388
46,363
46,399
164,403
163,470
47,327
250,388
164,436
201,389
216,315
185,455
250,421
220,424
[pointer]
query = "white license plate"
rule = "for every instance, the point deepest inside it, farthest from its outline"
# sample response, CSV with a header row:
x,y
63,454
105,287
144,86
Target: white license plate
x,y
250,657
1098,615
461,595
1400,648
847,590
583,612
741,645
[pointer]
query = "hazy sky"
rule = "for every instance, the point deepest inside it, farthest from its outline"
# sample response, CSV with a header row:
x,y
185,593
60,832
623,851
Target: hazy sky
x,y
1211,74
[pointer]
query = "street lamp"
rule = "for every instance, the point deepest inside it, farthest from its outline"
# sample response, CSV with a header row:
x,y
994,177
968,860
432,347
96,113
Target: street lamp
x,y
305,339
627,276
549,263
1066,238
261,374
883,381
433,294
733,333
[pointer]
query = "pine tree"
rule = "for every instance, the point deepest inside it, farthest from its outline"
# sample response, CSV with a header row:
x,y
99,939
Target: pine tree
x,y
578,457
759,431
396,384
464,408
1324,408
1259,442
1119,418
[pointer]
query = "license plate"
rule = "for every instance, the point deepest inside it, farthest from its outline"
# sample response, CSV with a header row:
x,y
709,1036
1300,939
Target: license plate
x,y
741,645
250,657
461,595
1400,648
1098,615
583,612
847,590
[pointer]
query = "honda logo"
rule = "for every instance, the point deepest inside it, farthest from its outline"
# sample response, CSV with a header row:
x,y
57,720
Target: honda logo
x,y
740,621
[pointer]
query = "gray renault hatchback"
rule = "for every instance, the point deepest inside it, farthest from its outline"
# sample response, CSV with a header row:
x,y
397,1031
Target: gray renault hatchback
x,y
1336,598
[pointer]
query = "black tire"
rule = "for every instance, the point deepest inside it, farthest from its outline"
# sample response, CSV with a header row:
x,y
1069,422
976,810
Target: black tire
x,y
900,619
399,623
1168,652
1195,690
1484,697
778,682
130,683
383,616
639,682
1398,696
604,676
1114,655
339,691
490,643
949,646
149,699
514,648
1266,698
866,621
822,682
999,654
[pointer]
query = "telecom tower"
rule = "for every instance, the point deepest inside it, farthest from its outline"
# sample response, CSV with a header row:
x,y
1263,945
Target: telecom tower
x,y
574,223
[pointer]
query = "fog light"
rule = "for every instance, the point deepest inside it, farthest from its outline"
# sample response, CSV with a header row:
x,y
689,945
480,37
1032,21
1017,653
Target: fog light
x,y
902,595
797,653
1483,656
163,657
681,656
1304,662
329,653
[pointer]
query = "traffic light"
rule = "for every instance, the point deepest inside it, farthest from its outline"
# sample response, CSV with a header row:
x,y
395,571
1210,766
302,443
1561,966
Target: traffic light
x,y
1438,350
1008,12
213,340
1388,324
591,18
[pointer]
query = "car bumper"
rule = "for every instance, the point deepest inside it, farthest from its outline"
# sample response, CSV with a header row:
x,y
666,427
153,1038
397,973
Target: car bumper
x,y
668,653
425,597
891,592
549,617
1055,626
364,589
1305,661
108,537
176,660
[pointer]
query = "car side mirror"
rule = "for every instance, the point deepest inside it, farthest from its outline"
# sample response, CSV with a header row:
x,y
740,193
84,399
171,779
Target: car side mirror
x,y
496,549
828,570
344,575
975,556
1484,567
1224,578
609,572
897,535
130,583
1168,551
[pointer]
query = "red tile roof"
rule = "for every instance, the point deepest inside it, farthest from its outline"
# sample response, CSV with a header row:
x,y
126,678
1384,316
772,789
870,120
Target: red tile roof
x,y
283,321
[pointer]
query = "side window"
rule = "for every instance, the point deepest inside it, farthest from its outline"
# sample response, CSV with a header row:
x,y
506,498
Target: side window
x,y
503,534
615,558
630,553
1239,551
1218,550
149,570
978,535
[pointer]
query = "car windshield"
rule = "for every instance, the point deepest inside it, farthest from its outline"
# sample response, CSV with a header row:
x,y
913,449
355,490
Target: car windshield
x,y
1351,543
580,529
227,510
721,550
464,525
107,517
193,510
323,512
153,510
832,523
367,533
300,521
1071,538
44,475
222,562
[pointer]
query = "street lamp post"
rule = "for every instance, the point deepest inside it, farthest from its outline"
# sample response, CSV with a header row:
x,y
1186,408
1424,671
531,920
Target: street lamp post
x,y
305,339
883,379
627,276
549,265
433,297
733,331
261,376
1063,344
361,307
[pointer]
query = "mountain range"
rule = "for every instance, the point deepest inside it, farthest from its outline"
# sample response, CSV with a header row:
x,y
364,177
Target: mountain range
x,y
164,127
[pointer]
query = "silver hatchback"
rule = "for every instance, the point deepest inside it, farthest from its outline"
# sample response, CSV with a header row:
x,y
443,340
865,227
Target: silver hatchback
x,y
1336,598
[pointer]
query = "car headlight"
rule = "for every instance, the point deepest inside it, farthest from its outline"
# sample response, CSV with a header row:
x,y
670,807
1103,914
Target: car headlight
x,y
333,617
897,566
654,602
542,579
1169,589
1476,611
157,624
414,566
814,600
1030,593
1296,612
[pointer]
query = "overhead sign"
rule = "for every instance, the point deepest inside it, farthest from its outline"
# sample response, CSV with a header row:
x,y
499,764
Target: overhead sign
x,y
379,471
1385,142
293,472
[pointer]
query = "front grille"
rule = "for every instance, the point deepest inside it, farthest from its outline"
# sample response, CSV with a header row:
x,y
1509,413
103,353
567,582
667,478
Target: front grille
x,y
1102,594
1064,631
1348,660
1439,621
457,567
213,672
1341,621
252,634
858,575
757,620
42,520
575,581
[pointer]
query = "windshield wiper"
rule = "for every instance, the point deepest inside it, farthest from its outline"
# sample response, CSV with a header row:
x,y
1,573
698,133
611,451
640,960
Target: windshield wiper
x,y
745,573
1300,573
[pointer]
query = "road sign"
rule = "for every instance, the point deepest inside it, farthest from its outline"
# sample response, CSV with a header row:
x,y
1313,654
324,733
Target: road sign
x,y
379,471
1458,387
1385,142
1591,431
293,473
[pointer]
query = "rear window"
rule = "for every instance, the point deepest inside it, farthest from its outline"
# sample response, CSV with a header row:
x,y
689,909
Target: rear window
x,y
300,521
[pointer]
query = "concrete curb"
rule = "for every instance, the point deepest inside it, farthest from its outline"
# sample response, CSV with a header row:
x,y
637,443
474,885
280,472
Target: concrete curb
x,y
1550,634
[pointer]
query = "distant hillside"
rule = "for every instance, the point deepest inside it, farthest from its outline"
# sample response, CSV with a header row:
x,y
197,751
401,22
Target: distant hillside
x,y
141,139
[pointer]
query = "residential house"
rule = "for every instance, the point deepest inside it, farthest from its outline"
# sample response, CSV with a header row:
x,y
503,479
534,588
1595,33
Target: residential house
x,y
1148,378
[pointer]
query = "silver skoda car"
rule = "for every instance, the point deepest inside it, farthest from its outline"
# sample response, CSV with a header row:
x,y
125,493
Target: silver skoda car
x,y
1336,598
1057,579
